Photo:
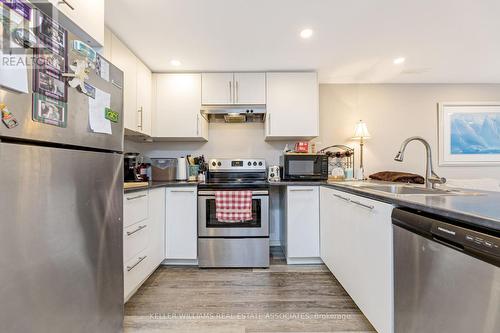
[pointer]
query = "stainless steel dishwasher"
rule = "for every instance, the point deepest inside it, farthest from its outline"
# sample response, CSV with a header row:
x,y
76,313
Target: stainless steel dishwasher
x,y
446,276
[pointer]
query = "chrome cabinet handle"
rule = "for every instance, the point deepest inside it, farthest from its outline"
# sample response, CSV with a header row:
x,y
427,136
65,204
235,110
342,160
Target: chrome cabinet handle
x,y
129,268
197,125
129,233
137,197
370,207
230,92
268,124
140,112
237,91
342,198
65,2
182,191
302,190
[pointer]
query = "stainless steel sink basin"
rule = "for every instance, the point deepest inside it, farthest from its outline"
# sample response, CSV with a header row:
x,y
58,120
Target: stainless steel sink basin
x,y
411,190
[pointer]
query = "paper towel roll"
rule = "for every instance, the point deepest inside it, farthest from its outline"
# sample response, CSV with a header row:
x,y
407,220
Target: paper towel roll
x,y
181,169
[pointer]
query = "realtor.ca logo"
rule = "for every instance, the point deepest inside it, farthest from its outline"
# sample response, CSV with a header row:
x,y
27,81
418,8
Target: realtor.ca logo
x,y
28,38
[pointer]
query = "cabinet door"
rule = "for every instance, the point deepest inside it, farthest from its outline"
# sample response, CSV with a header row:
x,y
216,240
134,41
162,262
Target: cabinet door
x,y
217,88
181,223
124,59
156,246
250,88
144,97
177,107
374,295
87,14
303,221
357,249
292,105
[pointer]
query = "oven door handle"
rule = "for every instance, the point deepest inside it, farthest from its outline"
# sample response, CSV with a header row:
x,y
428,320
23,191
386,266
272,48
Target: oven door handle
x,y
212,193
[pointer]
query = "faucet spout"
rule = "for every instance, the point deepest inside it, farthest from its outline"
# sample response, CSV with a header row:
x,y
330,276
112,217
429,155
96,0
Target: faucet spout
x,y
431,178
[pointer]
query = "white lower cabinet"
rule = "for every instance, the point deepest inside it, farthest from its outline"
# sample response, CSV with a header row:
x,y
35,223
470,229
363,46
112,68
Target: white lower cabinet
x,y
301,224
143,241
181,225
356,245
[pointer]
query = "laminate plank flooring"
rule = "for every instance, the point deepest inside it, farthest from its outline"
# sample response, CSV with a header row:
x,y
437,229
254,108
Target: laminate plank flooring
x,y
302,298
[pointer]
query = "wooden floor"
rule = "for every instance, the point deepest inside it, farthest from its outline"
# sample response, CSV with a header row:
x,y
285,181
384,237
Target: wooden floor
x,y
279,299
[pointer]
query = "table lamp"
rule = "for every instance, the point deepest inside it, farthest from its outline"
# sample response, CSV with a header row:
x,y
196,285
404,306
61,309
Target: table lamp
x,y
361,133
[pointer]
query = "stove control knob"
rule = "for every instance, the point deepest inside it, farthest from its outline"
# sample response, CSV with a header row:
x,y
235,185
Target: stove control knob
x,y
249,163
214,164
254,163
219,163
260,163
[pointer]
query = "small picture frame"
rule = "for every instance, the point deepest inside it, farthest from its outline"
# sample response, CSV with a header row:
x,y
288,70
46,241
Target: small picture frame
x,y
49,111
469,134
51,86
53,35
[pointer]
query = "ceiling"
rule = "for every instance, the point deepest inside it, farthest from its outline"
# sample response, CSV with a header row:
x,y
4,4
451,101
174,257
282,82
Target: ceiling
x,y
445,41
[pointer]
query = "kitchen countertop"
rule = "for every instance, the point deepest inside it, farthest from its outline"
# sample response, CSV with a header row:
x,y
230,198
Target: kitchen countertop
x,y
298,183
172,183
482,209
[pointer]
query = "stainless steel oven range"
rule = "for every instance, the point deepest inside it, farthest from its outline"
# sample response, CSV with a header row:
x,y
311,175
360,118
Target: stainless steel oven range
x,y
238,243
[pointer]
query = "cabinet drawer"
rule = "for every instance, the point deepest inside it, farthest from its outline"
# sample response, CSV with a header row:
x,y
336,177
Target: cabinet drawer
x,y
135,207
135,271
135,239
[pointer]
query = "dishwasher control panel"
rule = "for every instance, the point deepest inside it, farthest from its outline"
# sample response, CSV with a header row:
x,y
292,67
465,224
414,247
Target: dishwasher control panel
x,y
466,238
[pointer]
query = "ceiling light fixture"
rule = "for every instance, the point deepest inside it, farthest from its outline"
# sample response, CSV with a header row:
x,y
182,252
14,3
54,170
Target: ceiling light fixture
x,y
175,63
399,61
306,33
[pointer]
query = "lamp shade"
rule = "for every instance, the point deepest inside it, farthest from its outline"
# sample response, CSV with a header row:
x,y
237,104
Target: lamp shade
x,y
361,131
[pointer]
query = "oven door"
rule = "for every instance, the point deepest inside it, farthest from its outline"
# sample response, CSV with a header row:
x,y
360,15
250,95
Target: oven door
x,y
209,226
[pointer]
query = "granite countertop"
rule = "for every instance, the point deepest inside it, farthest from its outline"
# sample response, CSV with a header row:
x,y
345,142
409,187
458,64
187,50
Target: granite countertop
x,y
480,209
172,183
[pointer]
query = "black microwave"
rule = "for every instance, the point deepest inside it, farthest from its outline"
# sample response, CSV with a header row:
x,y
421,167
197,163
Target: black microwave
x,y
304,166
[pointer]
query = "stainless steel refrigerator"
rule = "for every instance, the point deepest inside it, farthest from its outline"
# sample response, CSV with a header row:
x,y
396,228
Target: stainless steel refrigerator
x,y
61,210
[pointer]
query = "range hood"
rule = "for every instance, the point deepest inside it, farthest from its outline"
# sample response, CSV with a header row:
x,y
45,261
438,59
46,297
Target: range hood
x,y
234,113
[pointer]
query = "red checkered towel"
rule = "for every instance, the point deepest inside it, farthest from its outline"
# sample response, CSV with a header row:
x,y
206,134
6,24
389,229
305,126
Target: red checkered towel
x,y
233,206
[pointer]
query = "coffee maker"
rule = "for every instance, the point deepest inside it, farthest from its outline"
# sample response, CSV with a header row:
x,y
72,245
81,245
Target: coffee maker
x,y
131,164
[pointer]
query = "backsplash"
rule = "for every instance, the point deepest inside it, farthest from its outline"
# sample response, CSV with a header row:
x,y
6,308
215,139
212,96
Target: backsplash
x,y
225,141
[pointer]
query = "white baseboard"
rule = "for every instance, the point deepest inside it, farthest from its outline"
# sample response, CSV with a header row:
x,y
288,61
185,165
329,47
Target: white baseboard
x,y
304,261
274,243
180,262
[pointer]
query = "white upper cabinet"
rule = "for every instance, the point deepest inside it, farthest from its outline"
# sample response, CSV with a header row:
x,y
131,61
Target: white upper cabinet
x,y
249,88
137,87
233,88
144,97
292,106
87,14
125,60
217,88
177,104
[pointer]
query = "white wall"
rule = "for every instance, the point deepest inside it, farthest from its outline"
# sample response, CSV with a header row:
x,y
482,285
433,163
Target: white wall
x,y
225,141
393,113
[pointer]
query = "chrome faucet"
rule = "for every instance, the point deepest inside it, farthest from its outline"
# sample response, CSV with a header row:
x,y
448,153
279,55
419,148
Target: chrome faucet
x,y
431,178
